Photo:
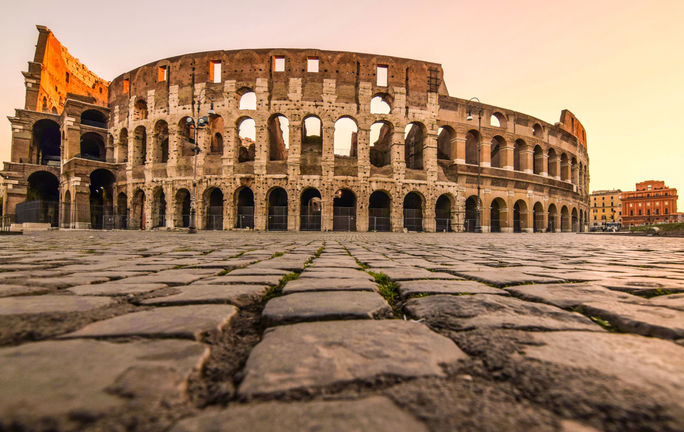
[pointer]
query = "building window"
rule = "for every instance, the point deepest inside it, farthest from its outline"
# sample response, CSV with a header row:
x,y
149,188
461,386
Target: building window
x,y
126,85
381,76
67,77
312,64
657,211
278,64
631,212
215,71
639,212
162,73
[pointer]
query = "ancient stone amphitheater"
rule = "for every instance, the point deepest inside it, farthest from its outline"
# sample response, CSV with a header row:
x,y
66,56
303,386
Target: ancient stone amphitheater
x,y
283,139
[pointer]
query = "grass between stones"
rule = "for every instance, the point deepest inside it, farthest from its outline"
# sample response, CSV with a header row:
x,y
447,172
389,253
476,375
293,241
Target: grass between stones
x,y
604,323
387,288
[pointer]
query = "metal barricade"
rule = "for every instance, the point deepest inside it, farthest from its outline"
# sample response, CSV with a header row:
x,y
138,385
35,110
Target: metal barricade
x,y
277,218
344,219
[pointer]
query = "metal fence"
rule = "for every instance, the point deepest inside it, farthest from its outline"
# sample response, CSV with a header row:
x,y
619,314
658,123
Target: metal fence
x,y
310,221
443,224
38,212
344,219
379,219
245,217
413,219
214,218
277,218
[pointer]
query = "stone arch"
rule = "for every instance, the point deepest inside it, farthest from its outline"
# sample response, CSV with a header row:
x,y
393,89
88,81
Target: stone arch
x,y
158,207
246,142
278,137
445,135
381,143
381,103
537,130
92,146
344,210
138,210
345,142
574,220
102,199
498,215
497,152
565,219
538,217
42,199
47,143
244,202
277,209
140,109
216,131
186,136
538,167
519,155
470,223
413,211
66,210
182,208
552,215
497,119
443,212
564,167
552,163
520,216
213,211
122,210
139,146
248,99
379,211
312,135
414,142
94,118
471,147
310,206
161,142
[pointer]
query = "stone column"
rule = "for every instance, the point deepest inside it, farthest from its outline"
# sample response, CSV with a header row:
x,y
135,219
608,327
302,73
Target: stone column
x,y
459,145
363,153
508,157
430,157
328,155
398,162
527,156
486,153
429,223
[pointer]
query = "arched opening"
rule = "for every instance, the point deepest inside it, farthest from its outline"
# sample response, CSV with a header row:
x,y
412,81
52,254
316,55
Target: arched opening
x,y
245,208
564,168
552,163
497,215
122,152
248,100
246,139
538,160
277,210
122,211
217,144
182,209
346,137
537,130
278,137
379,212
94,118
42,198
66,210
92,146
444,137
158,208
538,217
552,214
140,110
140,146
138,210
102,199
344,210
216,133
414,137
47,142
186,136
380,104
471,209
213,215
565,219
161,139
496,154
310,210
312,133
413,212
472,144
574,220
381,144
519,216
497,120
519,162
443,213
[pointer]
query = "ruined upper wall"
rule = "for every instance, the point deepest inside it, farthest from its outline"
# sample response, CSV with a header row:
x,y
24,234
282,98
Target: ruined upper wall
x,y
571,124
246,66
55,75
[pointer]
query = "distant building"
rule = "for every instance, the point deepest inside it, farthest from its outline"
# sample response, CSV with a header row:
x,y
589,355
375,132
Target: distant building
x,y
652,202
605,207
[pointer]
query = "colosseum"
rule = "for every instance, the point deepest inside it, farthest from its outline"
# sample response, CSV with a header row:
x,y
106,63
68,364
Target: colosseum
x,y
283,139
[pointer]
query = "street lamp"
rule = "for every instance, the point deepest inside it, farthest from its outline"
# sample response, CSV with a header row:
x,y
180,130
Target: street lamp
x,y
478,206
198,122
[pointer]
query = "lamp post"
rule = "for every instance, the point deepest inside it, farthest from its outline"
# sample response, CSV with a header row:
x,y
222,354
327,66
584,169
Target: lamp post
x,y
198,122
478,206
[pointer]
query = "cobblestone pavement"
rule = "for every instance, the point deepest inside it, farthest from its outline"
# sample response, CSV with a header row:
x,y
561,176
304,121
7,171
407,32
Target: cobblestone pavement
x,y
340,332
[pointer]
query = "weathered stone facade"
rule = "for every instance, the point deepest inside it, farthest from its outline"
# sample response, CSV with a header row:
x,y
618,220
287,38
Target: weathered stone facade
x,y
298,139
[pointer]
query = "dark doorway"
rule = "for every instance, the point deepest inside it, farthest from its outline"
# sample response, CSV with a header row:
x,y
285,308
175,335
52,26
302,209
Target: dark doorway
x,y
344,211
379,212
310,210
277,210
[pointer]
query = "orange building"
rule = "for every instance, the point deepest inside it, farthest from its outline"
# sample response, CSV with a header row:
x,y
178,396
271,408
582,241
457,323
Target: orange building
x,y
652,202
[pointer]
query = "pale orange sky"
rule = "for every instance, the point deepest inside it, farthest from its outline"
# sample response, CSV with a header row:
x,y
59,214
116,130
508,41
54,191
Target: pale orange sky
x,y
617,65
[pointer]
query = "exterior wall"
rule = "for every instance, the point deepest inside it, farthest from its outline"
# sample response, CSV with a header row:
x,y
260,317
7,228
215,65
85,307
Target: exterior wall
x,y
606,207
652,202
152,105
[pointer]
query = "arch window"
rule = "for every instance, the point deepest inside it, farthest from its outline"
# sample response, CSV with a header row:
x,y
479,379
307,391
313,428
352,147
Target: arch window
x,y
47,143
278,137
381,144
472,143
248,100
123,146
140,146
94,118
497,152
413,212
444,137
346,137
380,104
140,110
414,137
161,139
538,160
519,163
92,146
312,133
246,138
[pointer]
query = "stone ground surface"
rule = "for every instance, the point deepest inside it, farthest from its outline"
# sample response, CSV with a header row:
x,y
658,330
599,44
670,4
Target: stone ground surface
x,y
155,331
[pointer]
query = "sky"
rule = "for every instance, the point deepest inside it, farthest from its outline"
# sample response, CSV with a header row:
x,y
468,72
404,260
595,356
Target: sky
x,y
616,64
